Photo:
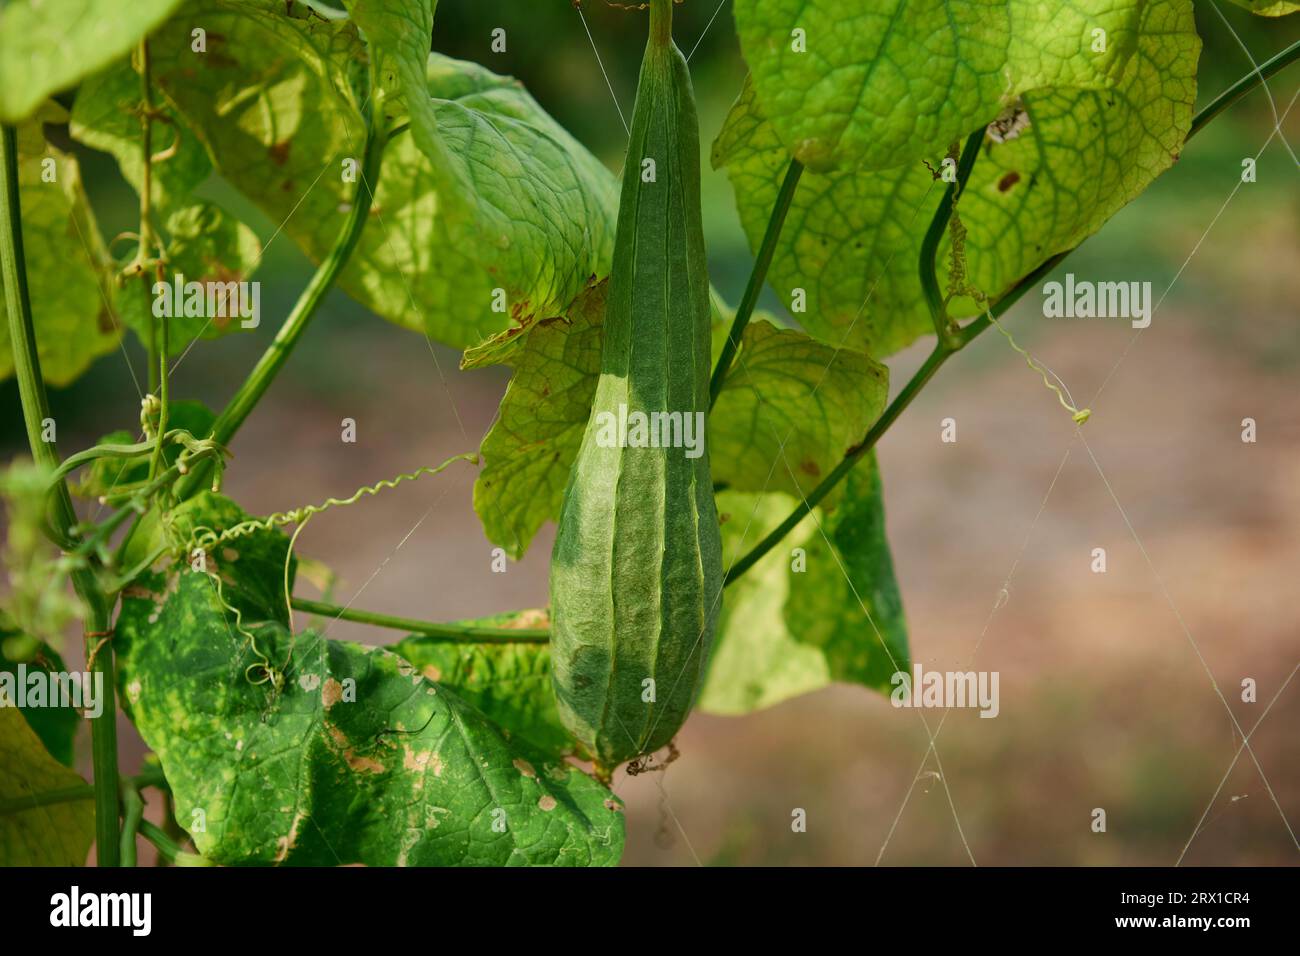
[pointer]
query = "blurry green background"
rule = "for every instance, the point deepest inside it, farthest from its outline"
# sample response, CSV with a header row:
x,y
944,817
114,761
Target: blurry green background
x,y
1104,700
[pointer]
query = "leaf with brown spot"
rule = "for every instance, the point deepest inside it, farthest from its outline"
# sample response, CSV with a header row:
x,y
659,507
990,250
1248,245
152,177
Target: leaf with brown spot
x,y
399,771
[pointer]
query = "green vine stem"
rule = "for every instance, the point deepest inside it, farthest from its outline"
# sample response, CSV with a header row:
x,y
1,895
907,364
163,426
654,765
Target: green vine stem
x,y
456,633
757,276
1243,86
949,345
35,404
167,848
132,817
943,327
277,353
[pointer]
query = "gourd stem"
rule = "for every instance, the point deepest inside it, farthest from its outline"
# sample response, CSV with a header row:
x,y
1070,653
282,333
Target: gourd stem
x,y
273,359
959,339
757,276
35,404
453,632
661,22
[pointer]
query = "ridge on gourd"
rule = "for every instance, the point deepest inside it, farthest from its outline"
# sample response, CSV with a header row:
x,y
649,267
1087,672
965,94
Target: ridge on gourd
x,y
636,573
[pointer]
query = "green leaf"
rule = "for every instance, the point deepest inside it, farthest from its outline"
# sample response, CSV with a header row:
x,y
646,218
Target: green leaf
x,y
882,84
509,683
789,410
105,116
357,758
55,726
1269,8
524,207
54,834
48,45
852,240
67,264
784,632
38,605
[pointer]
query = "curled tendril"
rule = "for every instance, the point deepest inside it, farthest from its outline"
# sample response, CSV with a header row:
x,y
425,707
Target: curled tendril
x,y
207,539
1078,415
210,538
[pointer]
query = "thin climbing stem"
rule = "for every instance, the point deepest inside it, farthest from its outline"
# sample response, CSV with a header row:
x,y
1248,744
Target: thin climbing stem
x,y
145,249
36,410
456,633
944,328
132,816
757,276
959,338
1243,86
896,408
156,460
168,848
277,353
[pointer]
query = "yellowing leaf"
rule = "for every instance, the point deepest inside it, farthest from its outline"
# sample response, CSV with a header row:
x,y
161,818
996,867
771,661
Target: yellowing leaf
x,y
525,209
33,832
67,265
823,606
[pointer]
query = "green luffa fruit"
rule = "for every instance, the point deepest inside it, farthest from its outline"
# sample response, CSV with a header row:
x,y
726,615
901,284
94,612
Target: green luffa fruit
x,y
636,574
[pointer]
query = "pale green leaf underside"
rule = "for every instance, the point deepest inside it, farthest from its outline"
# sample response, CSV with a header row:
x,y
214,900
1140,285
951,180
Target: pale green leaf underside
x,y
783,385
67,264
880,84
48,45
852,239
785,632
57,834
359,758
272,104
